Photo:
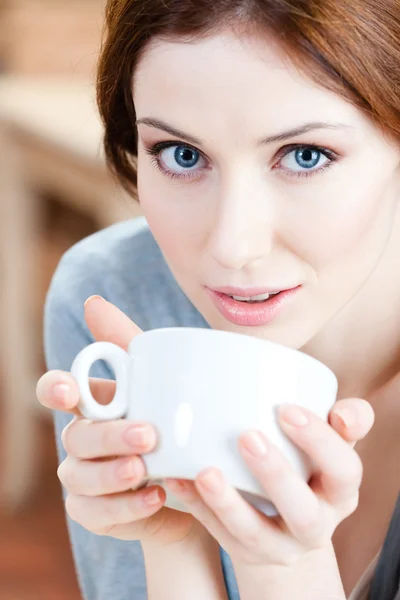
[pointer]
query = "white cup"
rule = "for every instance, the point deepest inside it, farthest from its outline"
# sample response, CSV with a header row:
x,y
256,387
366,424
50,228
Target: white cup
x,y
201,389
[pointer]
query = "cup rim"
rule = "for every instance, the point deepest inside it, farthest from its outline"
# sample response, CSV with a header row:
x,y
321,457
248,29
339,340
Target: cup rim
x,y
209,331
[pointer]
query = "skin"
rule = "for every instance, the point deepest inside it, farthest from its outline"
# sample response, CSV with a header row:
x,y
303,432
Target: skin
x,y
240,221
100,496
243,220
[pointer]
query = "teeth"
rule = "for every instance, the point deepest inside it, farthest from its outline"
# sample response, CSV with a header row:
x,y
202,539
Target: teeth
x,y
240,298
260,298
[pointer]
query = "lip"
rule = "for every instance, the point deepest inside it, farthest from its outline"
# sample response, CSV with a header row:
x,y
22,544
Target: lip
x,y
249,292
251,315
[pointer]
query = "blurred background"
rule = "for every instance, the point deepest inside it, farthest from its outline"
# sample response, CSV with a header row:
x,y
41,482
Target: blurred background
x,y
54,190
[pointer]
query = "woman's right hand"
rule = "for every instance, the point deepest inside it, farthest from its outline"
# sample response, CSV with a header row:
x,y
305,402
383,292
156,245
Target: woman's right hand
x,y
104,461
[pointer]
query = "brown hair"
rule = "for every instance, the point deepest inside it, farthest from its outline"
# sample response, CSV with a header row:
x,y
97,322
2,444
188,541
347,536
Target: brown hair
x,y
351,47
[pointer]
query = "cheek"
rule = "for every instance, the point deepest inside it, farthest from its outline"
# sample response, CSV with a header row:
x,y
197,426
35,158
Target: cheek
x,y
168,214
347,224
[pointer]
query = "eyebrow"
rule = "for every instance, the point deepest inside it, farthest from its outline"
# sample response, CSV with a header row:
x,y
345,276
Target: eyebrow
x,y
291,133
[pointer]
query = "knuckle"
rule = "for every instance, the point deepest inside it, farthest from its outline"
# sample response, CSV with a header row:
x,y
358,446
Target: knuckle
x,y
41,387
67,436
118,510
290,560
67,475
139,470
312,528
80,510
252,541
61,472
316,535
350,505
312,525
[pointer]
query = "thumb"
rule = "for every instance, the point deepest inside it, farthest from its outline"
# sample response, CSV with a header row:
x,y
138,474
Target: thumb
x,y
108,323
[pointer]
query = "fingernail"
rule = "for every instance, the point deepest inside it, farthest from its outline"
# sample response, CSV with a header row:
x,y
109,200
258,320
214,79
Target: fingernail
x,y
345,414
211,480
152,498
293,415
139,435
255,444
127,469
61,393
177,486
92,298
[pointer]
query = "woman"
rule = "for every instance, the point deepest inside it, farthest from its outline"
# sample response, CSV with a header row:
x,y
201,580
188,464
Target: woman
x,y
262,139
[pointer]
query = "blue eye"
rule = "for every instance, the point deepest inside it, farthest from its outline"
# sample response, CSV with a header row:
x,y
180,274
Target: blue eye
x,y
304,158
184,156
180,160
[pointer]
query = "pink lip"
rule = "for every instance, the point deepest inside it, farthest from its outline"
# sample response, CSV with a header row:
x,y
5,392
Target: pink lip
x,y
251,315
248,292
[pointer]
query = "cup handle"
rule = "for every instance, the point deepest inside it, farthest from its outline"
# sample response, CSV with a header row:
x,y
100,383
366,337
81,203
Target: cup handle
x,y
119,360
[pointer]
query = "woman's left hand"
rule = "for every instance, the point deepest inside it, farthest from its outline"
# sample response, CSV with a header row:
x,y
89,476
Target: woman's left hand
x,y
308,512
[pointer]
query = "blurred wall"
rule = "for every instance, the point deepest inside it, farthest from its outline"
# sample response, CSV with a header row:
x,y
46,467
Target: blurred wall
x,y
52,43
50,37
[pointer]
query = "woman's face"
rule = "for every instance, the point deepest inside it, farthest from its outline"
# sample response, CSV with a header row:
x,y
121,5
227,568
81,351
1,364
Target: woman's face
x,y
311,210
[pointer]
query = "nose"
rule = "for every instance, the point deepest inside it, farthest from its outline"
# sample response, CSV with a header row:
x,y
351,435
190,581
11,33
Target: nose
x,y
243,230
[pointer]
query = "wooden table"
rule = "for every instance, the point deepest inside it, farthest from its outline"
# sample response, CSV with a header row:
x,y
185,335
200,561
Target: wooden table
x,y
50,141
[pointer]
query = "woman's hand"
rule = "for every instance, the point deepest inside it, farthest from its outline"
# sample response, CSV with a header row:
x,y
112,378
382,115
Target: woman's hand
x,y
308,512
104,458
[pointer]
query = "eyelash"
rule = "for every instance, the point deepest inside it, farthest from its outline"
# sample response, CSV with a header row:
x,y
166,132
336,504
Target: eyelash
x,y
155,150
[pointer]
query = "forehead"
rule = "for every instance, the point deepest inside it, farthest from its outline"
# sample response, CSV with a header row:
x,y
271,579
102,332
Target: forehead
x,y
236,80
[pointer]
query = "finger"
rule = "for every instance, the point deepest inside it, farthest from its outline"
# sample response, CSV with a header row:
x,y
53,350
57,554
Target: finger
x,y
338,465
243,522
97,478
352,418
191,497
85,439
58,390
103,514
296,503
109,324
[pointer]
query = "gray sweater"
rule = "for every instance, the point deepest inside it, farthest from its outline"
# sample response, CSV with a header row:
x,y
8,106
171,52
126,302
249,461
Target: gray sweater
x,y
125,265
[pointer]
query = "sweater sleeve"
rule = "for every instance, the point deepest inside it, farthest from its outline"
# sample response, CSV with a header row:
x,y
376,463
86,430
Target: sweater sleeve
x,y
124,265
106,567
